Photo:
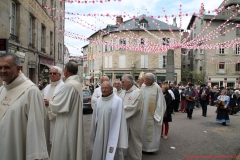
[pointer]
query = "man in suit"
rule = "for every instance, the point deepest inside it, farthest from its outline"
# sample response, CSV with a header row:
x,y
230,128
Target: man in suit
x,y
176,101
204,99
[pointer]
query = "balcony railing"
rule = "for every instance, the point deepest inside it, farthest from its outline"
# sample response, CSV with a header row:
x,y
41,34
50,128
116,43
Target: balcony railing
x,y
14,38
43,50
221,71
31,45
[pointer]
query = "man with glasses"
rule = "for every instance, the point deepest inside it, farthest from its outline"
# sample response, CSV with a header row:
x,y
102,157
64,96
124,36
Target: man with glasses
x,y
49,92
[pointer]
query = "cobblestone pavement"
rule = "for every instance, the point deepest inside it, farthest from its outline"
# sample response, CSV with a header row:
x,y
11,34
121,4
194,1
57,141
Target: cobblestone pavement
x,y
198,138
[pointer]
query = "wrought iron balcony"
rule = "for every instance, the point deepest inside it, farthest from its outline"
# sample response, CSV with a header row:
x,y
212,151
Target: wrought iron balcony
x,y
14,38
31,45
43,50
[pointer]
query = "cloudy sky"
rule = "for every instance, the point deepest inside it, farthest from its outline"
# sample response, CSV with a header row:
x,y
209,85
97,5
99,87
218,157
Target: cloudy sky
x,y
125,7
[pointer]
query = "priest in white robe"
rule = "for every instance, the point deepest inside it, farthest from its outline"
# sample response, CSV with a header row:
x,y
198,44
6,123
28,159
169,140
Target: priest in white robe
x,y
98,93
132,102
154,107
108,135
21,114
68,140
118,85
49,92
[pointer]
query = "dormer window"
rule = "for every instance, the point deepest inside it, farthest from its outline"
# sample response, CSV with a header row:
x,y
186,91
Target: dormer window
x,y
144,25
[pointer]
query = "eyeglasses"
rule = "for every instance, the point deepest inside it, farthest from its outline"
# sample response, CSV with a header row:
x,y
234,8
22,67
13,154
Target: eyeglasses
x,y
52,73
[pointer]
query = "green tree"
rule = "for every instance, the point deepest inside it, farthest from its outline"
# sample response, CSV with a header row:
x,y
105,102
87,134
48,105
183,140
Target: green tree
x,y
198,78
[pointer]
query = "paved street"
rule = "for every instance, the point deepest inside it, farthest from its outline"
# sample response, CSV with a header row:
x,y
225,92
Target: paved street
x,y
199,137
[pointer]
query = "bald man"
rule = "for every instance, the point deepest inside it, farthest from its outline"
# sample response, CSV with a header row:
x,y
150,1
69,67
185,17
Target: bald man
x,y
98,93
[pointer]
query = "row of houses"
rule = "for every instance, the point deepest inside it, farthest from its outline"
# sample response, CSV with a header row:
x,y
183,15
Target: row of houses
x,y
30,31
218,66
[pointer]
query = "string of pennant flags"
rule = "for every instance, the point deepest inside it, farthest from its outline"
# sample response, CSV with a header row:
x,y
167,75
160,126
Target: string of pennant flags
x,y
88,1
153,47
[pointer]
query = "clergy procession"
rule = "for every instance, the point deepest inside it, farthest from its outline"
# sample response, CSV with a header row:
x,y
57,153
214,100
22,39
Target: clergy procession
x,y
128,119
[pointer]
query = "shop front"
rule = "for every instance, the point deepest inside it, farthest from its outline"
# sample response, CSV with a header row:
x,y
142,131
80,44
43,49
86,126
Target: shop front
x,y
44,66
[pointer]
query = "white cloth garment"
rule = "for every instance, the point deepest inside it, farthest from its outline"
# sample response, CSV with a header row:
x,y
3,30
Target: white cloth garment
x,y
132,102
103,126
68,142
22,126
48,93
171,93
98,93
154,107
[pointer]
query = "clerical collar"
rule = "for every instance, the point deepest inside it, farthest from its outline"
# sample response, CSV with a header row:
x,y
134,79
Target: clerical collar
x,y
19,80
108,97
55,83
131,89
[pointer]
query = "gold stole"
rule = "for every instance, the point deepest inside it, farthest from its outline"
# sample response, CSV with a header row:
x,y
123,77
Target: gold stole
x,y
12,95
151,110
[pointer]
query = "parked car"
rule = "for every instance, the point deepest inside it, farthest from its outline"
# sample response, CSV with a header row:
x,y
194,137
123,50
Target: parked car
x,y
87,100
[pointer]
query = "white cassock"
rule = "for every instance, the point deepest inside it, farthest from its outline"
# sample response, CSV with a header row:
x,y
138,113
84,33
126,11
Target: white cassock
x,y
22,125
154,107
108,134
98,93
48,93
119,93
132,102
68,142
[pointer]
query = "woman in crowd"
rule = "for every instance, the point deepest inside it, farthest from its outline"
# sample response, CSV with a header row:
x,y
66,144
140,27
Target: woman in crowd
x,y
222,113
183,99
167,116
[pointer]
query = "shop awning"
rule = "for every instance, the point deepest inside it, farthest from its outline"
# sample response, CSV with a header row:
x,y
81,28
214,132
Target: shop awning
x,y
118,74
108,74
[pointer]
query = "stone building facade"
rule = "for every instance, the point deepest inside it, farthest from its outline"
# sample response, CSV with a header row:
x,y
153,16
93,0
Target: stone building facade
x,y
114,60
221,66
30,31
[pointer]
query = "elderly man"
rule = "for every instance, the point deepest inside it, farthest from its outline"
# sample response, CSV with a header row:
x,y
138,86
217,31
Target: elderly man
x,y
140,79
49,92
154,107
118,85
132,102
68,140
98,92
21,114
109,129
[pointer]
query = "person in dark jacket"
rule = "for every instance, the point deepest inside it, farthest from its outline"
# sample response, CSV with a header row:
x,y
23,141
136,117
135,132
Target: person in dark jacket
x,y
167,116
176,101
204,99
233,102
212,95
189,106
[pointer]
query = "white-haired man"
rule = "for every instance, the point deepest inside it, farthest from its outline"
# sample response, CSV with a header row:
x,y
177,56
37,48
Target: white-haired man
x,y
154,107
118,85
49,92
132,102
98,92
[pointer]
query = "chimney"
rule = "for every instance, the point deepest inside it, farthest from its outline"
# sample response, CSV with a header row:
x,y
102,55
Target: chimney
x,y
185,34
119,20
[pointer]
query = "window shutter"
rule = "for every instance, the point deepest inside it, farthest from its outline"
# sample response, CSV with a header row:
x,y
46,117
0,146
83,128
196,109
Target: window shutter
x,y
165,60
139,41
217,51
142,61
112,45
160,61
234,49
217,66
146,61
226,50
146,41
127,41
171,41
117,44
160,41
110,61
104,47
123,61
106,62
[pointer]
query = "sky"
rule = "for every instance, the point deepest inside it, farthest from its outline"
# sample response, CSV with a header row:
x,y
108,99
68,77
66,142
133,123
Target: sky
x,y
127,7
